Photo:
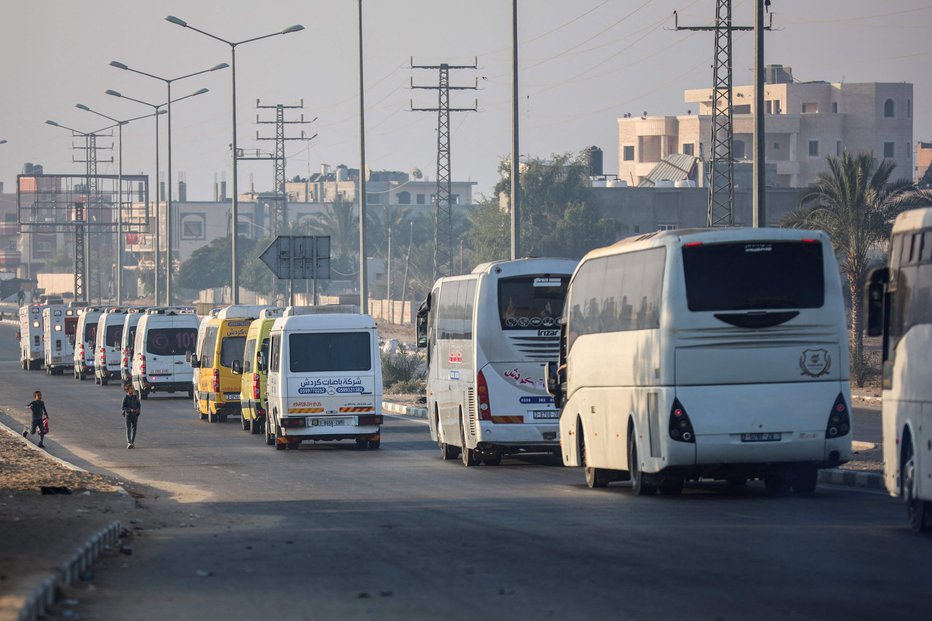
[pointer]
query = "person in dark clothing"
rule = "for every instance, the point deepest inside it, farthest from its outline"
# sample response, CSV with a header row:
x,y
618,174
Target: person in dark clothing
x,y
37,406
131,406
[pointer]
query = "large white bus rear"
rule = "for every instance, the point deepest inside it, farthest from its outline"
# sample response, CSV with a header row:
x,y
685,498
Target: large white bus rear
x,y
59,325
707,354
488,336
30,336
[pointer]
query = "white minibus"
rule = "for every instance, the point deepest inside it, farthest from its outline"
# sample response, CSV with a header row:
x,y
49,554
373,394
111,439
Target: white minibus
x,y
166,337
324,380
705,354
85,339
107,353
30,336
489,335
127,342
59,323
899,309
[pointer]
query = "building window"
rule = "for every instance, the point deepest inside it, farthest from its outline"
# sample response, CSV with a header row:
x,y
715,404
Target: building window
x,y
454,199
888,149
834,107
909,108
404,198
776,146
813,148
689,149
193,227
739,149
909,151
742,109
838,148
628,153
768,106
889,109
244,228
811,107
374,199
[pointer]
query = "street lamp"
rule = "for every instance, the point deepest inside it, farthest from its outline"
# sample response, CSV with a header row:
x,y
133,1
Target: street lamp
x,y
234,281
120,124
168,216
158,196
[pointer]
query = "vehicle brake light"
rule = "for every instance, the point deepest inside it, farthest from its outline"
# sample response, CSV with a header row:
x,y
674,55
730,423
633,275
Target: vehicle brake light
x,y
256,385
692,244
103,355
839,423
681,428
216,382
142,364
482,394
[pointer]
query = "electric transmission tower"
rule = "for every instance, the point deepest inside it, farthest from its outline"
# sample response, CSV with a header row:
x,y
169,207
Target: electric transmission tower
x,y
81,241
721,174
279,215
443,218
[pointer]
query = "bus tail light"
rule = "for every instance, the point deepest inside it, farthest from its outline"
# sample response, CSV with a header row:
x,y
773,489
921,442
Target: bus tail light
x,y
216,381
256,386
681,428
103,355
142,364
839,422
293,422
482,397
366,420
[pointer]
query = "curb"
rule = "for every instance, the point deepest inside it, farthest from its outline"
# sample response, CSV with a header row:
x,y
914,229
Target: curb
x,y
43,597
852,478
407,410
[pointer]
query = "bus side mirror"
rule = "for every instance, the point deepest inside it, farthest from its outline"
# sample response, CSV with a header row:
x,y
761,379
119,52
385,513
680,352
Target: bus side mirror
x,y
554,383
195,363
237,367
261,363
874,296
422,330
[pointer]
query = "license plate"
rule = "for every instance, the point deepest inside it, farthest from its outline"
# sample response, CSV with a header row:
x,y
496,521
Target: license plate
x,y
760,437
234,396
159,372
545,414
329,422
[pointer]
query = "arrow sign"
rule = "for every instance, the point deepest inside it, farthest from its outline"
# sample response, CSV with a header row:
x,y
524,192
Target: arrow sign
x,y
298,257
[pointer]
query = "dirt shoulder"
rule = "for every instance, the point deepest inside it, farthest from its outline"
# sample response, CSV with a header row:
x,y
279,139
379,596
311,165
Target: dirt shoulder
x,y
38,531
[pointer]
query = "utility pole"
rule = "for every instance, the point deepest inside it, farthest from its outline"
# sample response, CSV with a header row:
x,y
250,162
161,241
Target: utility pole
x,y
721,175
515,164
443,218
279,219
760,174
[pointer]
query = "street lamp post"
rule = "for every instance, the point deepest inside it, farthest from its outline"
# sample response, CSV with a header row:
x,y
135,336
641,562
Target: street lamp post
x,y
158,196
120,124
234,205
168,215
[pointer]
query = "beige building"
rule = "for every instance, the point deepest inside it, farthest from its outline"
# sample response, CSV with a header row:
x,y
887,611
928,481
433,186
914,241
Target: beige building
x,y
923,159
805,122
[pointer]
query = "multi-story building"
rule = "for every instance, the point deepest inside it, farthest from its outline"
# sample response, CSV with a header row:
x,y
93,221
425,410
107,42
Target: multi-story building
x,y
805,122
923,161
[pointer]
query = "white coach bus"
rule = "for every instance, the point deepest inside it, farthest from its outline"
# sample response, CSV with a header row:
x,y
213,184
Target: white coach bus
x,y
705,354
899,308
489,335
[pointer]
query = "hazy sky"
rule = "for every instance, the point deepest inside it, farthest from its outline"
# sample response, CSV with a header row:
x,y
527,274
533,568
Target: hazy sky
x,y
583,64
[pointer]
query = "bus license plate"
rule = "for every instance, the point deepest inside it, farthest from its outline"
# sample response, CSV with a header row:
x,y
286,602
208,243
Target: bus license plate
x,y
328,422
231,396
545,414
760,437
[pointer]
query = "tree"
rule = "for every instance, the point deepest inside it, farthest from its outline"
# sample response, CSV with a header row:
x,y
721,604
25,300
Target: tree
x,y
209,266
489,235
855,203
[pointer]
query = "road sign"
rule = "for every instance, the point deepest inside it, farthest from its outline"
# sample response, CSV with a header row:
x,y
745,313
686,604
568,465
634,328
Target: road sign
x,y
296,257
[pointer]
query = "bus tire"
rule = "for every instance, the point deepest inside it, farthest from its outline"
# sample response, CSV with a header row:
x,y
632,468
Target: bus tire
x,y
492,458
374,444
595,477
467,455
638,485
918,512
807,478
255,426
448,452
269,438
104,380
245,423
143,394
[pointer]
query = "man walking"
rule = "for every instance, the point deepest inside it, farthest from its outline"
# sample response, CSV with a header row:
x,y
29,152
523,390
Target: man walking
x,y
131,406
39,416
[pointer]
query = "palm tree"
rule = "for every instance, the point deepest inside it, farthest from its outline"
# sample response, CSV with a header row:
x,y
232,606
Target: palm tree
x,y
855,203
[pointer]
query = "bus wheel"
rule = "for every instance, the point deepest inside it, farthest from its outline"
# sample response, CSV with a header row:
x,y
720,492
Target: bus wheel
x,y
375,444
143,394
638,485
807,477
362,443
469,456
918,512
245,422
269,438
255,426
595,477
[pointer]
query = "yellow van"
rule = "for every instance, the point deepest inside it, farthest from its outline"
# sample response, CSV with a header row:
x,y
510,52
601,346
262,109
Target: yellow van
x,y
223,342
253,398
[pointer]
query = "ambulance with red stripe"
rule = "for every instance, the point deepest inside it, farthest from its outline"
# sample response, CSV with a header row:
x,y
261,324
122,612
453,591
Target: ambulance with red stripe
x,y
324,380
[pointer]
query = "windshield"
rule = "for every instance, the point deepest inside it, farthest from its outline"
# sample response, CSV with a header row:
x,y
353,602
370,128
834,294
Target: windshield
x,y
329,351
231,348
90,332
170,341
529,302
113,334
754,275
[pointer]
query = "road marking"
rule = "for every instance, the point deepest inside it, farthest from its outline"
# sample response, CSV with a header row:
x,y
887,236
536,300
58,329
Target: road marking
x,y
407,418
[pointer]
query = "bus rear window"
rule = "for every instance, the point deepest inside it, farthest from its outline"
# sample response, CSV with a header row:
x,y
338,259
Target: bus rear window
x,y
113,334
754,276
171,341
321,352
232,348
529,302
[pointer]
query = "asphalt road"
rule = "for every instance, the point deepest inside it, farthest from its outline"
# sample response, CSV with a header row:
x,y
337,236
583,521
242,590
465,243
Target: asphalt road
x,y
328,532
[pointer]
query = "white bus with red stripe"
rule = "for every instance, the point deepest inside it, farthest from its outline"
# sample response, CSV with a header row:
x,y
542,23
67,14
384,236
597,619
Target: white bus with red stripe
x,y
706,354
488,336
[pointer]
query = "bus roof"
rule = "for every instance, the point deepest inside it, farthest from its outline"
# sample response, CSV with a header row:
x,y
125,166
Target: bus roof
x,y
528,264
913,220
335,321
683,236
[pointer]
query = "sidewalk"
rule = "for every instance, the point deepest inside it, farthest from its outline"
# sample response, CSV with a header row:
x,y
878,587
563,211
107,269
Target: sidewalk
x,y
54,520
